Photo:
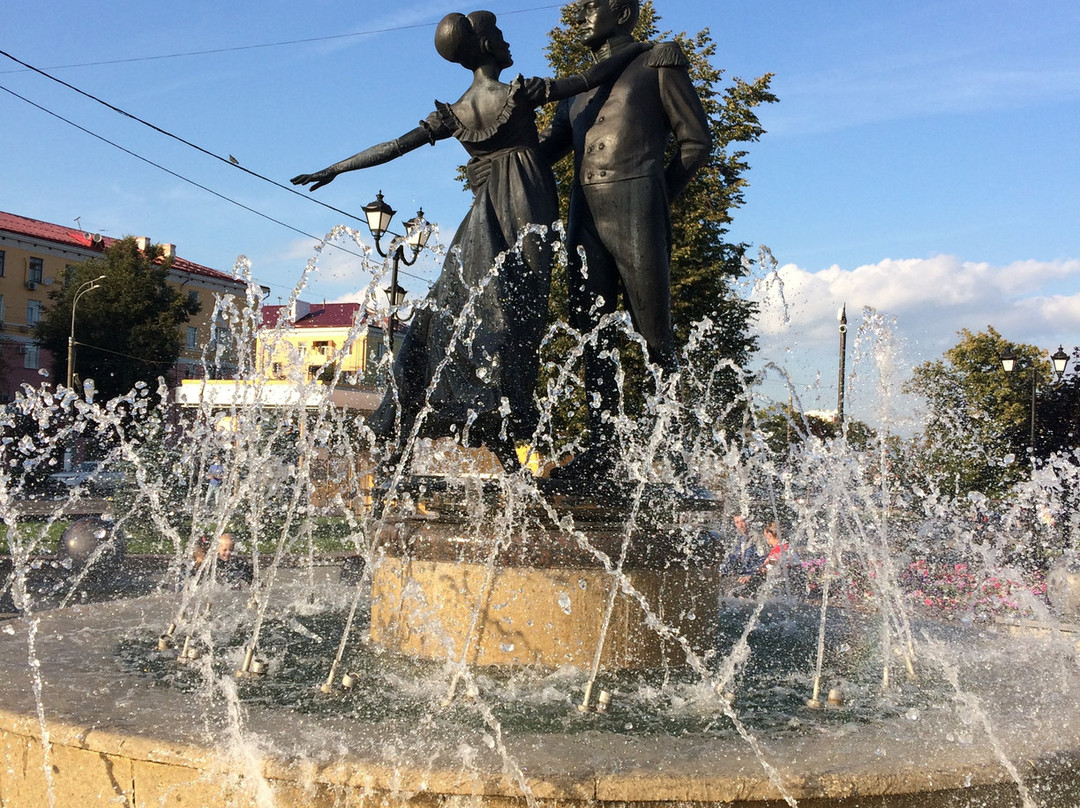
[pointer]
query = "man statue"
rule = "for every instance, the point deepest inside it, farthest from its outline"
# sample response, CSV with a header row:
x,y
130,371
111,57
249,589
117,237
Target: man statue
x,y
620,202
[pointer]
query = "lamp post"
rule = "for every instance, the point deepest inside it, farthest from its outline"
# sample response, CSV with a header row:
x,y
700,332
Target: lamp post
x,y
842,317
89,286
417,231
1060,361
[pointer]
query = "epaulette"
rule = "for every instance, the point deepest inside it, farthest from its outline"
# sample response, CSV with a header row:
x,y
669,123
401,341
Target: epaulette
x,y
667,54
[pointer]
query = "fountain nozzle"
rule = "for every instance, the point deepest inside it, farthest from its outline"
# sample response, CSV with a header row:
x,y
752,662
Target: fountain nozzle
x,y
251,667
603,701
189,653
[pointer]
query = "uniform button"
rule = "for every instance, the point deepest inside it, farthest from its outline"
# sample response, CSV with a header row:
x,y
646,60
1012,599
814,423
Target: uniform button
x,y
601,147
600,119
603,173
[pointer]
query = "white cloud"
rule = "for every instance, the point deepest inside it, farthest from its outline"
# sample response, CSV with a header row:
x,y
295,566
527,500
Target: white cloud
x,y
930,300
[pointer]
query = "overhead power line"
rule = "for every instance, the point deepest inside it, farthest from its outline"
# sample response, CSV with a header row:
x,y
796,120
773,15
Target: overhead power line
x,y
229,160
257,46
182,178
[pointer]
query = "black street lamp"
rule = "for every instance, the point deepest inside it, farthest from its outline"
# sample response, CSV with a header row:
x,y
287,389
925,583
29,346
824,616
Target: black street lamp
x,y
1060,361
417,231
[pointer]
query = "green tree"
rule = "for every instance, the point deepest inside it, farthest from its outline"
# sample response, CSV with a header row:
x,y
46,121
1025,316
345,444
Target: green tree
x,y
704,265
978,428
128,328
783,428
1059,412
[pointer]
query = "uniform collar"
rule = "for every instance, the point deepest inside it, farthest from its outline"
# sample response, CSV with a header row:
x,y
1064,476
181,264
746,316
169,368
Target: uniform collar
x,y
613,46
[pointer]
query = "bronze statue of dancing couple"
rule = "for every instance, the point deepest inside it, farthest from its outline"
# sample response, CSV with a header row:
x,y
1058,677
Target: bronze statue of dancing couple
x,y
469,363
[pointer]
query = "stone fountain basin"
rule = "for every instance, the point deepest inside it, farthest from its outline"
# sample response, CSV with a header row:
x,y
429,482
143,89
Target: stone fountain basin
x,y
119,739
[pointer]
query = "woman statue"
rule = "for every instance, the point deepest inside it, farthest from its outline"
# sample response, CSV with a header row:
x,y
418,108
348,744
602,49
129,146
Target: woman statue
x,y
470,359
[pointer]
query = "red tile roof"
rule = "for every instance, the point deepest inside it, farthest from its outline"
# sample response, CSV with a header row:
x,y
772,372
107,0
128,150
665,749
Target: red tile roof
x,y
72,237
322,315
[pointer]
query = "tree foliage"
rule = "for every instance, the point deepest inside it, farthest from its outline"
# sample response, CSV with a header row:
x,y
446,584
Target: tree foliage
x,y
704,264
128,328
978,433
784,428
1059,412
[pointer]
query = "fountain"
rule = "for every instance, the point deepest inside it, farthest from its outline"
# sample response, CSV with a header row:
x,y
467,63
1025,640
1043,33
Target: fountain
x,y
509,640
408,625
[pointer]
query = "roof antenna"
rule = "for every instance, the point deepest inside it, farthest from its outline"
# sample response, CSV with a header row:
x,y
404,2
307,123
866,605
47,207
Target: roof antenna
x,y
78,221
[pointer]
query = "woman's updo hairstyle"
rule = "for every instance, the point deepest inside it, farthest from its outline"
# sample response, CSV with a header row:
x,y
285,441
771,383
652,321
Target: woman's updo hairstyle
x,y
456,40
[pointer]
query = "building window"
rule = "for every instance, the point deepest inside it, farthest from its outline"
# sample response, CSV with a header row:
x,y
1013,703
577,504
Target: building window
x,y
192,337
37,270
1,263
1,309
220,336
33,312
193,297
31,359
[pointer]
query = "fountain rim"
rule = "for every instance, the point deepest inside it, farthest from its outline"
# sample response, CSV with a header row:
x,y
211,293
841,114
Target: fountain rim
x,y
696,770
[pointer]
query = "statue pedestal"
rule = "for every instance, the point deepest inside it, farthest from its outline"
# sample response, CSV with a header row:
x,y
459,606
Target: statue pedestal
x,y
536,595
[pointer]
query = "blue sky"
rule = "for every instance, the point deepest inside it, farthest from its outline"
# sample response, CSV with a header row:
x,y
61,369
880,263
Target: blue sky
x,y
923,160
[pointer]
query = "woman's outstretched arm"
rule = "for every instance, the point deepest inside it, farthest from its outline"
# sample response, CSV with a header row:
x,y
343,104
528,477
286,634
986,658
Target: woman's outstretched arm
x,y
373,156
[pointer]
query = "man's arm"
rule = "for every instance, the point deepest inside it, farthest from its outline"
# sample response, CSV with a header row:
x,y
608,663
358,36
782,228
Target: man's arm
x,y
557,140
689,123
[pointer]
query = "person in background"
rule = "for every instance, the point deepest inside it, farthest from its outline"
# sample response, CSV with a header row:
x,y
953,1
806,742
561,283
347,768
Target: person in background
x,y
231,568
214,476
743,558
198,554
777,550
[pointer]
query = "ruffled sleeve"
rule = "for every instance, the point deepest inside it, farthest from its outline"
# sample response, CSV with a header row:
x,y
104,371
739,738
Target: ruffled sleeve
x,y
440,124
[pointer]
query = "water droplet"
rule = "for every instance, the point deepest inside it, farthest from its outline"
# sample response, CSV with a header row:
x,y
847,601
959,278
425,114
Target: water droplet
x,y
564,602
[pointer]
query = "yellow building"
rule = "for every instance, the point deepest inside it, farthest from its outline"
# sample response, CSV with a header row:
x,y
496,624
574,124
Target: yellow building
x,y
309,341
36,255
298,352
